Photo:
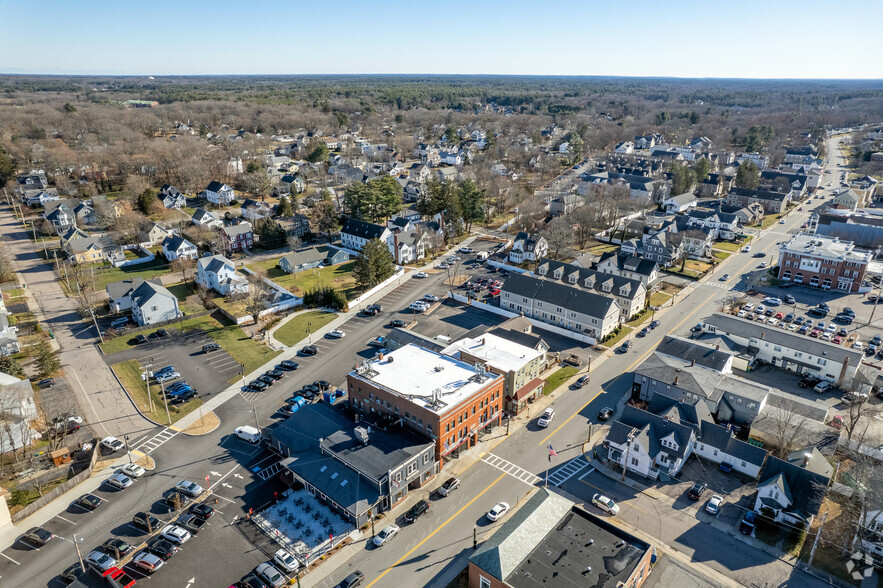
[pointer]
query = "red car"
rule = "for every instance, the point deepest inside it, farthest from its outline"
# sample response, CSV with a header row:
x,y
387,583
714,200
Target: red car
x,y
779,316
837,340
494,292
815,333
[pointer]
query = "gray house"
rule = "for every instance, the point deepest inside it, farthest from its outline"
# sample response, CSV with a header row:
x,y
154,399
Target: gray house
x,y
171,198
312,257
152,303
354,466
119,293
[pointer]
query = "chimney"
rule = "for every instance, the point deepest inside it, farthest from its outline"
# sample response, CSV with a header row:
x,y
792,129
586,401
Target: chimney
x,y
806,457
676,380
692,362
381,357
717,347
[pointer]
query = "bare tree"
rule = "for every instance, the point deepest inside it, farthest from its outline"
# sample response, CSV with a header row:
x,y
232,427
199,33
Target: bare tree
x,y
294,242
784,427
256,299
558,234
183,266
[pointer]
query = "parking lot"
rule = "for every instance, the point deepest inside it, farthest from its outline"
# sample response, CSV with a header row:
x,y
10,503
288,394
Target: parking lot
x,y
207,373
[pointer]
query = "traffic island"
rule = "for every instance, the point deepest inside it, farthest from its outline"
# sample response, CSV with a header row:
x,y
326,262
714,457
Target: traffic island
x,y
204,425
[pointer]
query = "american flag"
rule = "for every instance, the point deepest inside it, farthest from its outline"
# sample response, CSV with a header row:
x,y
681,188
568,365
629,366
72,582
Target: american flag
x,y
552,451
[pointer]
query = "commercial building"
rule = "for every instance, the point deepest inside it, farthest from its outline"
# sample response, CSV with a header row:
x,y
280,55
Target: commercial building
x,y
550,541
823,262
442,398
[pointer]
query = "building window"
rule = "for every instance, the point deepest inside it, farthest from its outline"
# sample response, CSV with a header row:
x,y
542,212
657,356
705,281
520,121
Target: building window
x,y
483,582
412,468
634,461
425,458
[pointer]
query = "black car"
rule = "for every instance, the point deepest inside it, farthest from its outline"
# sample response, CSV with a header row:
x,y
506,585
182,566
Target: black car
x,y
89,501
203,511
843,319
322,385
288,365
258,385
353,580
369,312
175,499
759,254
808,382
268,380
182,397
696,490
624,347
877,340
789,299
38,536
276,374
823,305
251,581
416,511
605,414
46,383
145,521
789,317
139,339
819,312
582,381
310,350
654,324
396,323
116,547
164,549
848,311
160,334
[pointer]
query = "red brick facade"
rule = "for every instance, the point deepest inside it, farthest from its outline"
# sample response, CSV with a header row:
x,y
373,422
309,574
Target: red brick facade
x,y
456,428
819,272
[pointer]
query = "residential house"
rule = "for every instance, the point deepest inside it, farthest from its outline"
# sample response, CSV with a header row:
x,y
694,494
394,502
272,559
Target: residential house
x,y
528,247
358,469
772,202
721,225
155,234
451,158
643,270
760,161
796,155
786,349
34,198
297,225
847,200
91,249
447,174
61,216
549,541
823,262
254,210
34,180
630,295
719,445
20,416
71,233
175,246
119,293
206,218
565,203
568,307
152,303
219,194
649,445
520,365
625,147
8,333
85,213
237,237
171,198
793,488
680,203
312,257
747,215
665,248
356,233
410,246
291,184
218,273
647,141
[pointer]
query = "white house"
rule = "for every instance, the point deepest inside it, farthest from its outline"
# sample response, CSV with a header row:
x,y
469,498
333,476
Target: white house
x,y
648,444
219,194
356,233
175,246
19,412
219,274
451,158
206,218
680,203
528,247
718,445
153,304
156,234
793,488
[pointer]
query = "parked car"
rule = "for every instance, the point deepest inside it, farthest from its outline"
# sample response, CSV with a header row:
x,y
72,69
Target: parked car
x,y
808,382
580,382
309,350
149,562
421,275
771,301
605,413
714,505
176,500
789,299
139,339
266,380
133,470
116,547
697,490
112,444
248,433
146,521
823,387
100,561
46,383
643,332
605,504
72,572
201,510
416,511
286,562
175,534
209,347
385,534
191,523
336,334
189,488
120,481
160,334
165,377
164,549
746,525
353,580
498,512
38,536
257,386
449,486
289,365
89,501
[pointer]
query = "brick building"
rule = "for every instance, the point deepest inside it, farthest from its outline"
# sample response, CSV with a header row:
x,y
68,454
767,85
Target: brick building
x,y
235,238
442,398
823,262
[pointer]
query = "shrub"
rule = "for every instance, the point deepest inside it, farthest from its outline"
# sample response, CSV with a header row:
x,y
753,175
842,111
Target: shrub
x,y
326,296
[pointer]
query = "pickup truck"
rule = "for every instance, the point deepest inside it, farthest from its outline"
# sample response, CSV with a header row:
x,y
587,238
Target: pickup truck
x,y
379,341
191,522
573,360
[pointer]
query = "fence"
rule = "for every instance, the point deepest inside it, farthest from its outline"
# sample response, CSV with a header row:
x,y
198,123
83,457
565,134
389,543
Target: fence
x,y
148,257
369,293
508,267
58,490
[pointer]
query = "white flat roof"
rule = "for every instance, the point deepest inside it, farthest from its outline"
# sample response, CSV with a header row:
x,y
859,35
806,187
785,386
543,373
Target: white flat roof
x,y
497,352
431,380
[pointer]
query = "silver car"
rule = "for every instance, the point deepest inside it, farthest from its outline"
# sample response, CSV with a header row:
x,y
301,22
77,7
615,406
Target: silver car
x,y
148,561
268,572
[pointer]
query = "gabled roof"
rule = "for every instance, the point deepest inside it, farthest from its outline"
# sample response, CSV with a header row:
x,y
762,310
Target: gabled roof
x,y
362,229
723,439
572,298
201,214
630,263
759,194
693,351
685,198
619,286
217,187
214,263
807,488
175,242
116,290
240,229
650,429
148,290
82,244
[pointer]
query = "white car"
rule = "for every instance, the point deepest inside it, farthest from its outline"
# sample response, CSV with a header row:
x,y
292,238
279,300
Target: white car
x,y
782,222
285,561
121,481
133,470
443,266
148,562
746,249
760,309
496,513
430,297
385,534
742,314
770,301
191,489
421,275
176,534
465,249
452,259
714,505
832,328
546,417
336,334
112,444
419,306
748,306
605,504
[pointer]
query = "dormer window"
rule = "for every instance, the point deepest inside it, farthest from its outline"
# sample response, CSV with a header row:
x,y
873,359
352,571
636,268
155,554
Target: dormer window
x,y
557,274
607,286
572,278
624,291
542,270
590,282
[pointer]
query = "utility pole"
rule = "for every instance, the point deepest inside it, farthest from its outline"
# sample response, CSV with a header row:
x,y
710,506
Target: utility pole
x,y
474,537
812,551
95,321
166,399
147,379
255,413
628,448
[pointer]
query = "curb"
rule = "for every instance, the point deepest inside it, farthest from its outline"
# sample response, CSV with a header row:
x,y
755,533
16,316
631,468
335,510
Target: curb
x,y
132,400
184,431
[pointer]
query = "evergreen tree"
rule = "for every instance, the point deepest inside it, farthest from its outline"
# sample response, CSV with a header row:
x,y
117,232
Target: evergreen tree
x,y
319,154
148,202
270,234
326,220
285,209
374,264
471,203
10,365
747,176
47,360
682,179
701,169
7,167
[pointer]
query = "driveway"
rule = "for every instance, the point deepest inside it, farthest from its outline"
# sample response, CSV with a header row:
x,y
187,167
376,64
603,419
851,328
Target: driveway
x,y
101,399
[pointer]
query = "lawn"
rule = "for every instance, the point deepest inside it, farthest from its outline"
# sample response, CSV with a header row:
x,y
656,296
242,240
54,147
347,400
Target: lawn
x,y
129,373
602,248
769,220
657,299
339,276
697,266
727,246
558,378
144,271
183,291
14,292
295,330
722,255
235,308
623,333
645,316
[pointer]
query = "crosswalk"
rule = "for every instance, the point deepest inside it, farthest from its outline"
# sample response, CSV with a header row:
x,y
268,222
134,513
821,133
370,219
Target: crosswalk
x,y
268,472
723,286
250,396
510,468
568,470
154,442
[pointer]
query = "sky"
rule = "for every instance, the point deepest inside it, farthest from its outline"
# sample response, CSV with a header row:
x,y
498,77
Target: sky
x,y
671,38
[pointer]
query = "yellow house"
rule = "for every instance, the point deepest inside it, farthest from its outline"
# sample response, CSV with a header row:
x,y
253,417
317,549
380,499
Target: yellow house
x,y
88,249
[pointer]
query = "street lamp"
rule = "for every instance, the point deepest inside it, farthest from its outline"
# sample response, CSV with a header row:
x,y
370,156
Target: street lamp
x,y
309,332
128,451
76,545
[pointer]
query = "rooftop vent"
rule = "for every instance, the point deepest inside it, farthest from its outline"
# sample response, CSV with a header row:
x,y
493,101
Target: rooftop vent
x,y
439,368
361,434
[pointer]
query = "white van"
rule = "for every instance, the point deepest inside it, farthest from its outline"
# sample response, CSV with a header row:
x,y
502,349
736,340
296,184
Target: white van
x,y
481,256
249,434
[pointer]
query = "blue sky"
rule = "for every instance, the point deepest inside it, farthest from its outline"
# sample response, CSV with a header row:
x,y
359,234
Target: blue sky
x,y
681,38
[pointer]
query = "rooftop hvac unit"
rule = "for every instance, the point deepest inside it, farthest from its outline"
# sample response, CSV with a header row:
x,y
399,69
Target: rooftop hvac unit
x,y
362,434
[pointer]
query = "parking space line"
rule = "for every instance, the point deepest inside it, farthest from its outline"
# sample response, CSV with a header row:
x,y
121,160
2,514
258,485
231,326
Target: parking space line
x,y
10,559
64,519
223,498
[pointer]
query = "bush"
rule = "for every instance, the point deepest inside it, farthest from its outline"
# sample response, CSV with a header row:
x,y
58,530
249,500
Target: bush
x,y
18,497
326,296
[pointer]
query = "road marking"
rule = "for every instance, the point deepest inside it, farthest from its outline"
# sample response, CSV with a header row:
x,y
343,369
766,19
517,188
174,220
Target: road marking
x,y
437,529
10,559
587,473
568,470
626,370
222,477
64,519
89,400
511,469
